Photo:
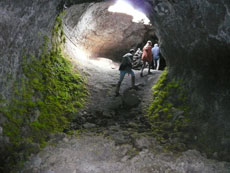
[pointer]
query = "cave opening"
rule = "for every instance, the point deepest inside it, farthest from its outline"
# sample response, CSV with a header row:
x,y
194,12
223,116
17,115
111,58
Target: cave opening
x,y
101,33
121,6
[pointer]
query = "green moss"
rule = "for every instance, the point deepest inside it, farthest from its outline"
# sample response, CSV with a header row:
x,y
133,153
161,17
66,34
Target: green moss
x,y
169,112
45,98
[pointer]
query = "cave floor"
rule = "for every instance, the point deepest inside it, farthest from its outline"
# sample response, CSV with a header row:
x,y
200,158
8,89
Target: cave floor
x,y
111,135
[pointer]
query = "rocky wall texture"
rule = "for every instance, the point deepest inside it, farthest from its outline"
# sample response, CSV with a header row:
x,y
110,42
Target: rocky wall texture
x,y
95,30
195,39
23,25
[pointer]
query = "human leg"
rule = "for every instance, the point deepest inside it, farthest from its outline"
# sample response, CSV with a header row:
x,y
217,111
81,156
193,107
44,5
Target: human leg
x,y
142,68
132,78
149,67
155,63
158,64
122,75
152,63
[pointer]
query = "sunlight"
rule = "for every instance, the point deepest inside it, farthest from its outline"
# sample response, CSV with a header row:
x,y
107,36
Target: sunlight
x,y
124,7
85,58
79,54
104,63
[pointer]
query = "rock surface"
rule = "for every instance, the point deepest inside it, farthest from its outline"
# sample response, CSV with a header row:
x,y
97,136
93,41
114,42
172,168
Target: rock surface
x,y
101,33
118,138
97,154
23,25
194,37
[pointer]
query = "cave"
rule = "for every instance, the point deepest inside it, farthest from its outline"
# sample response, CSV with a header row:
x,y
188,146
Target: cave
x,y
194,43
93,31
194,38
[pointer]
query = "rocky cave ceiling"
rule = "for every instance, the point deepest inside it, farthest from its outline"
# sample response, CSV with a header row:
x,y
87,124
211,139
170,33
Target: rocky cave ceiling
x,y
100,33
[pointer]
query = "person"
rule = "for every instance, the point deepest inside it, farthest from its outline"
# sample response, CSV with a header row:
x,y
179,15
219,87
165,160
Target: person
x,y
137,62
138,53
147,56
126,67
156,56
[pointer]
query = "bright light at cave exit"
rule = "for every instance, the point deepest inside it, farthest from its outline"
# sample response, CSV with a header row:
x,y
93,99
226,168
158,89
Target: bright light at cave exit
x,y
124,7
83,57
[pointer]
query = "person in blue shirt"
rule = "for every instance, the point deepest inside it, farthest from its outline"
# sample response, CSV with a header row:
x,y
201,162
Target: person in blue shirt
x,y
156,56
126,67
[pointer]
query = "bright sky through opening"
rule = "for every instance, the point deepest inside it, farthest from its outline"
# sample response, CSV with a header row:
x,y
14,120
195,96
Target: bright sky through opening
x,y
124,7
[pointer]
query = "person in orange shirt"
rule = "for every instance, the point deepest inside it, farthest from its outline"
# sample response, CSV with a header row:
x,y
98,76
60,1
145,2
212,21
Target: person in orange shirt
x,y
147,56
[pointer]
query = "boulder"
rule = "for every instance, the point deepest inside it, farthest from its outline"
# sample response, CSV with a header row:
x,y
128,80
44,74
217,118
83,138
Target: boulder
x,y
130,98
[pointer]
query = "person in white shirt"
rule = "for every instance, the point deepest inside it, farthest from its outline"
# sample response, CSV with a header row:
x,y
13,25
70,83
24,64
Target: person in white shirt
x,y
156,56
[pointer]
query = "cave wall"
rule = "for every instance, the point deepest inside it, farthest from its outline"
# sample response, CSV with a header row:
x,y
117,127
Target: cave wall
x,y
23,25
195,39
